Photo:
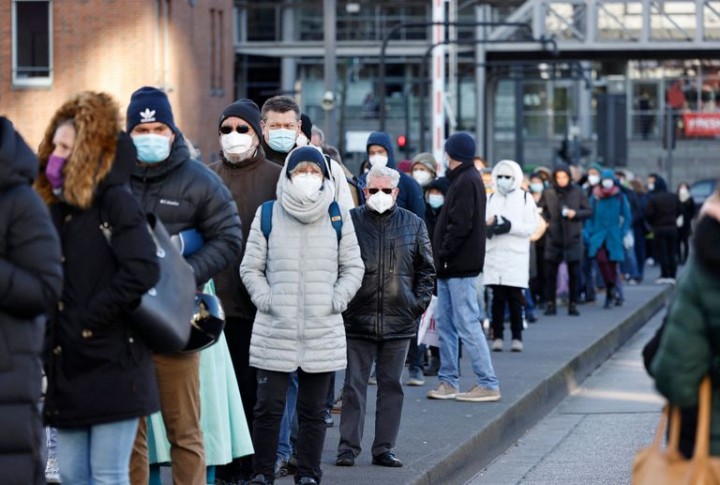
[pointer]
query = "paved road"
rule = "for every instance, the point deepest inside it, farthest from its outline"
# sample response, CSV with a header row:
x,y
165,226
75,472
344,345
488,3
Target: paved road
x,y
592,436
448,442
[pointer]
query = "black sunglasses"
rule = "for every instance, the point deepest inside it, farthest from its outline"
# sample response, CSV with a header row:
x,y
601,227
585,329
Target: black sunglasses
x,y
226,130
504,176
375,191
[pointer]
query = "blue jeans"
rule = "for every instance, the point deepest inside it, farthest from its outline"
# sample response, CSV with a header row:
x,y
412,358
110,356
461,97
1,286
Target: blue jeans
x,y
285,449
51,435
97,455
481,297
458,316
629,266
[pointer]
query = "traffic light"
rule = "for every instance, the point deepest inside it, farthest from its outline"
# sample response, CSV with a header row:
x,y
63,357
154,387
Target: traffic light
x,y
401,141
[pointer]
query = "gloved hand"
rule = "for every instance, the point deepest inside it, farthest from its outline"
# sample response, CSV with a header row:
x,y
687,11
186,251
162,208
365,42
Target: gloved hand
x,y
502,226
629,240
489,231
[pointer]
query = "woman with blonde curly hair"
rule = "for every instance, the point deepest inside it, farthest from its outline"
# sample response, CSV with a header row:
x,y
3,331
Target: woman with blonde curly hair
x,y
100,374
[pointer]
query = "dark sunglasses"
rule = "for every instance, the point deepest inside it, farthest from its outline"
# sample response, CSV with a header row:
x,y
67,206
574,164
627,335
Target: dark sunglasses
x,y
226,130
375,191
504,176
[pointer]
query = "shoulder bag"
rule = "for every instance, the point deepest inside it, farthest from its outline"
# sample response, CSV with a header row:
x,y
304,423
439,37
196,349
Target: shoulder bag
x,y
654,465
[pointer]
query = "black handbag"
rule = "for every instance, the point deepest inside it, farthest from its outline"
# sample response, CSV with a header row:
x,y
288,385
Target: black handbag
x,y
163,317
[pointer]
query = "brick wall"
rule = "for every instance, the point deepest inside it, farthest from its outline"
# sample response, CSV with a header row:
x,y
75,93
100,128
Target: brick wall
x,y
116,46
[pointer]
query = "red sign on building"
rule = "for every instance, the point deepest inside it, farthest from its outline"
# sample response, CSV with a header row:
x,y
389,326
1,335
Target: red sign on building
x,y
702,124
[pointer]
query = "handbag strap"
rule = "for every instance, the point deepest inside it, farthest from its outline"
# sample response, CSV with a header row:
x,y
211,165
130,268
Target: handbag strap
x,y
702,432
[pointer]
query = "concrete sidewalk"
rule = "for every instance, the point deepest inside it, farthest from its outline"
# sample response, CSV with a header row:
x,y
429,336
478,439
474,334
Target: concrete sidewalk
x,y
447,442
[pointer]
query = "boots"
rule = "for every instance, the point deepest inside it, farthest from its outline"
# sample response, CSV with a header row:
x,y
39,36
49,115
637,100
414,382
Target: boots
x,y
609,295
550,308
572,309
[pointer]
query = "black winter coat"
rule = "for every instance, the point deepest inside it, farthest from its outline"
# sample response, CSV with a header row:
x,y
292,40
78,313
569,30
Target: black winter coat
x,y
100,371
663,208
459,237
185,194
564,236
399,275
30,285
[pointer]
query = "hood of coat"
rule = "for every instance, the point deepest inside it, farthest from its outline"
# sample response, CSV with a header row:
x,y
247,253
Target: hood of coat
x,y
383,139
508,167
96,117
660,184
18,164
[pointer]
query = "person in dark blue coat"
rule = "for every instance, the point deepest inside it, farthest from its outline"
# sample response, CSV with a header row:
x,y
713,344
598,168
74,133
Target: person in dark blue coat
x,y
380,153
30,285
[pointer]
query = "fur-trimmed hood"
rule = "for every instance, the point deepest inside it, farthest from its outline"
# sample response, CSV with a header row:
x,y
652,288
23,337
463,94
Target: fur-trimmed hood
x,y
96,117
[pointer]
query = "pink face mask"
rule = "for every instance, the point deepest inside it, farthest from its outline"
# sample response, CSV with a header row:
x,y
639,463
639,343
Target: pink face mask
x,y
53,171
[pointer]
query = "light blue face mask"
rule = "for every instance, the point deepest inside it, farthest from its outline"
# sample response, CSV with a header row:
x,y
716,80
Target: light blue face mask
x,y
537,187
152,148
436,200
282,140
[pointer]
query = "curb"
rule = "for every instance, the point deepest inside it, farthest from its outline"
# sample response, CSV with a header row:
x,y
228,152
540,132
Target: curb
x,y
502,432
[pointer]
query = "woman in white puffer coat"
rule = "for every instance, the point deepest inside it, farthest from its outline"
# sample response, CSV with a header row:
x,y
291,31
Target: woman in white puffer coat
x,y
511,219
301,278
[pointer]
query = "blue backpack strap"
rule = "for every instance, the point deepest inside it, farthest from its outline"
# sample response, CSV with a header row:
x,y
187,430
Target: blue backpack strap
x,y
266,218
336,218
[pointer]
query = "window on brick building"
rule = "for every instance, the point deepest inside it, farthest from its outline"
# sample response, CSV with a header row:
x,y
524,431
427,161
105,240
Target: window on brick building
x,y
217,52
32,42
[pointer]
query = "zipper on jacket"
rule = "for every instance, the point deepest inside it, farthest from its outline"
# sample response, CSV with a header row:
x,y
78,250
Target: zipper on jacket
x,y
381,274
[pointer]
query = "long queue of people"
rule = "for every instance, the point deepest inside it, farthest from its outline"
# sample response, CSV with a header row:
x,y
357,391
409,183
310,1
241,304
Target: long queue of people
x,y
318,271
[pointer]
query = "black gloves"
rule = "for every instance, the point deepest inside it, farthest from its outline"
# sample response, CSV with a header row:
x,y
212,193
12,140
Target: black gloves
x,y
501,226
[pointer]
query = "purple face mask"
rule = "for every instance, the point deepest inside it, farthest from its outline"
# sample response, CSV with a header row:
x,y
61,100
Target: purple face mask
x,y
53,171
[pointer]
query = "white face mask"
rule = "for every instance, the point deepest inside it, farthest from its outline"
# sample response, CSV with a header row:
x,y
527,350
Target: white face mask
x,y
378,160
301,140
683,194
504,185
593,179
423,177
380,202
235,142
607,184
307,183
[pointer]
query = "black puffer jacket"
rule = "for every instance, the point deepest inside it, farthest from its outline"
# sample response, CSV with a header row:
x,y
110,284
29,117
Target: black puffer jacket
x,y
185,194
459,238
100,371
663,207
30,285
399,275
564,236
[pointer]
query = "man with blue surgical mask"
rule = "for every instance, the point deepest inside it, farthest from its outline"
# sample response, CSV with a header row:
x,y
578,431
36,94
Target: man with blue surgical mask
x,y
185,195
280,127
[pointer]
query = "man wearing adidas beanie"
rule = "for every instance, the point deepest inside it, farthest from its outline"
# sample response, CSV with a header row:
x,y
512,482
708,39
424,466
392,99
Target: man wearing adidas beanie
x,y
185,195
459,247
252,179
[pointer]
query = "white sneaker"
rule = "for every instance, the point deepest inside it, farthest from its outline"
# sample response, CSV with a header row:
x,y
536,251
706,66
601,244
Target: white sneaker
x,y
52,471
661,281
516,345
497,345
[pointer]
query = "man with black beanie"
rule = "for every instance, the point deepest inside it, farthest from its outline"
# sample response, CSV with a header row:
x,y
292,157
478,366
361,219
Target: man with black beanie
x,y
459,247
251,179
185,195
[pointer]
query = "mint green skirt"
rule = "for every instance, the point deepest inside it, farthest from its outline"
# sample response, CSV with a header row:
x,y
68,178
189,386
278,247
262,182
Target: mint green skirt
x,y
222,419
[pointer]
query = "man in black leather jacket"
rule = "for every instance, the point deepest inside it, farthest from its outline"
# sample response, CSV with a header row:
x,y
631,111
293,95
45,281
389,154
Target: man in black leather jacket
x,y
381,319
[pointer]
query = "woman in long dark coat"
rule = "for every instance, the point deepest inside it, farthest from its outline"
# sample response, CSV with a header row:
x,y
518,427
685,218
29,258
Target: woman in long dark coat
x,y
100,374
30,285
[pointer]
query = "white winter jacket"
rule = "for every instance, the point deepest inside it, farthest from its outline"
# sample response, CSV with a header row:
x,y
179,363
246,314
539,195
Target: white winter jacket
x,y
301,279
507,256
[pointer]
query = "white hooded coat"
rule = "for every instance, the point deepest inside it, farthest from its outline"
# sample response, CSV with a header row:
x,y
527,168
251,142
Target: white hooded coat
x,y
507,256
301,279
